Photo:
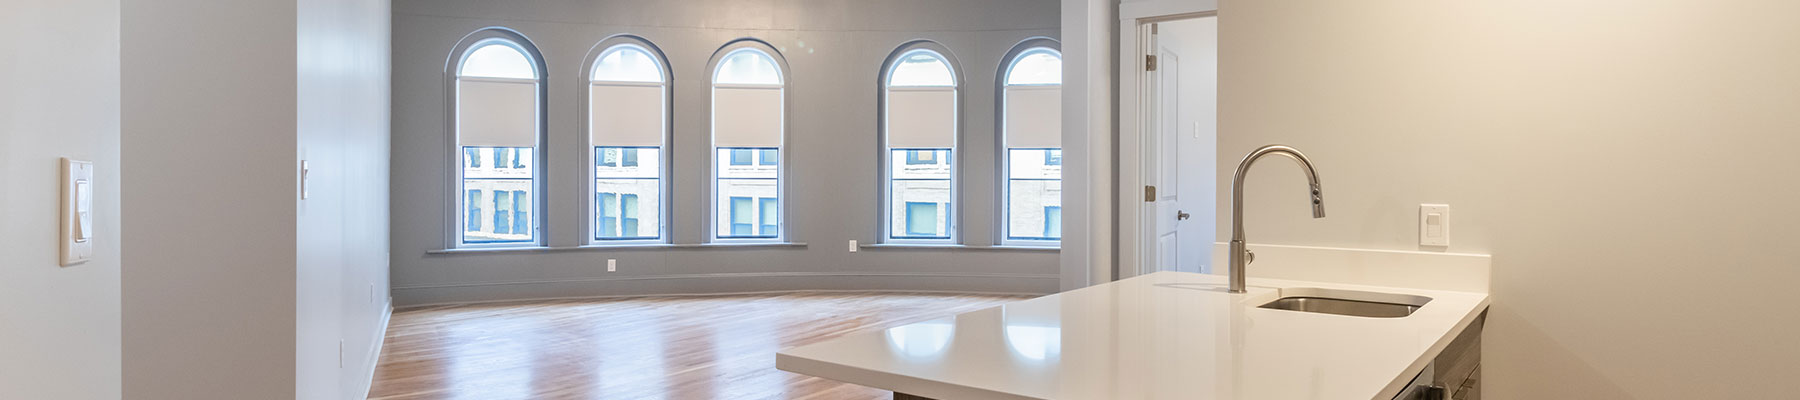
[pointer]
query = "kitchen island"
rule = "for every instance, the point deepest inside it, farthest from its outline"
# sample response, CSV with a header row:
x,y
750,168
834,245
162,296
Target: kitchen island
x,y
1166,335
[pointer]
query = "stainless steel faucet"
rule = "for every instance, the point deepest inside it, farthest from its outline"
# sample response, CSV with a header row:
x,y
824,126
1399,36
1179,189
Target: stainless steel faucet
x,y
1240,255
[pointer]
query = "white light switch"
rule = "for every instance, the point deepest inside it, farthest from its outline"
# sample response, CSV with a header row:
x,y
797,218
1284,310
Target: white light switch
x,y
77,212
852,246
84,210
1434,225
305,180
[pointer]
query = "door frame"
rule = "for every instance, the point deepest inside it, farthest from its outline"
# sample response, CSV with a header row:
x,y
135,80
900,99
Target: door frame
x,y
1135,19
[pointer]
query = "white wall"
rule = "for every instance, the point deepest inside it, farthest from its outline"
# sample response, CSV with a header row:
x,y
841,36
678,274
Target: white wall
x,y
343,72
1090,101
835,49
1625,162
59,326
236,288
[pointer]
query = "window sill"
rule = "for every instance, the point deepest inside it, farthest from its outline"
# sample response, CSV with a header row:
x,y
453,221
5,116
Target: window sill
x,y
725,245
905,246
490,250
611,247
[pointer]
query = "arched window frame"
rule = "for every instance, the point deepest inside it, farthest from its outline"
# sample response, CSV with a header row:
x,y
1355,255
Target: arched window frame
x,y
591,152
885,159
1003,172
455,213
784,160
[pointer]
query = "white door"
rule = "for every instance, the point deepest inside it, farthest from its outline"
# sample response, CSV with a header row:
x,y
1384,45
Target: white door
x,y
1179,152
1163,149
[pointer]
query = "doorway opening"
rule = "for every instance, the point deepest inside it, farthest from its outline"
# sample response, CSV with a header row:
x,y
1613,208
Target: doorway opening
x,y
1174,222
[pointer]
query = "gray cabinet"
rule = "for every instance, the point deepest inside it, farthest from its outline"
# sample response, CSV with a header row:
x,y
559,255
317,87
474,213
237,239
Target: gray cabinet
x,y
1456,372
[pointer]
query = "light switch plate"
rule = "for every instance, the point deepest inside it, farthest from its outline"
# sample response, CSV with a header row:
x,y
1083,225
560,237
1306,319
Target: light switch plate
x,y
1434,224
305,180
77,219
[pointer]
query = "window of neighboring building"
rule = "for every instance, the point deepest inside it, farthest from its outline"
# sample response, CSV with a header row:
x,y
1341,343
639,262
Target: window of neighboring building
x,y
1031,144
919,132
921,219
628,90
496,94
741,219
748,130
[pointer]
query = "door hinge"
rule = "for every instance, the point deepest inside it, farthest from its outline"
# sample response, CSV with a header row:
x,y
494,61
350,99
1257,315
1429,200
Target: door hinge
x,y
1150,62
1149,194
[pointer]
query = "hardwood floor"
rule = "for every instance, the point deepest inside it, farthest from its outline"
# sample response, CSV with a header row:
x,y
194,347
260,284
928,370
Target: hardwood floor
x,y
688,347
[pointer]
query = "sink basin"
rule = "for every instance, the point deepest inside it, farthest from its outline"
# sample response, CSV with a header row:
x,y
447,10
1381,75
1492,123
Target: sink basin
x,y
1347,302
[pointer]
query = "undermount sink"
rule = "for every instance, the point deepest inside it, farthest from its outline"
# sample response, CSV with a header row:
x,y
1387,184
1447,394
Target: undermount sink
x,y
1347,302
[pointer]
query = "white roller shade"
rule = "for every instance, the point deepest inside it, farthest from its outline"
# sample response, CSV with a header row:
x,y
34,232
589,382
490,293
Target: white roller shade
x,y
921,118
496,113
626,115
746,117
1034,117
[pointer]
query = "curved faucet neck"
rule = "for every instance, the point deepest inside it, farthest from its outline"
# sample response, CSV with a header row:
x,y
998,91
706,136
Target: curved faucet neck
x,y
1240,255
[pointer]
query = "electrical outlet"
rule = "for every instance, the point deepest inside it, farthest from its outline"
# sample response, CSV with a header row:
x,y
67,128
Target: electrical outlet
x,y
612,265
852,246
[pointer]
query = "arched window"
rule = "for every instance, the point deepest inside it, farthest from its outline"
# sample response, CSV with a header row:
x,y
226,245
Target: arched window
x,y
919,134
748,130
497,118
628,128
1031,143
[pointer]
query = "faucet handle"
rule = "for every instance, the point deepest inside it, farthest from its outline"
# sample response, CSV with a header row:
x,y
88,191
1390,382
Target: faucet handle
x,y
1249,256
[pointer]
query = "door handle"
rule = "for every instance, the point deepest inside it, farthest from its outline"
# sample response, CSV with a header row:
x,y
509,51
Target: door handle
x,y
1181,215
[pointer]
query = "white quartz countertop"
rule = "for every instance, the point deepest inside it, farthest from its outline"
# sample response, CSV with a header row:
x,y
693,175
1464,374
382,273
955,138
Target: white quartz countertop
x,y
1167,335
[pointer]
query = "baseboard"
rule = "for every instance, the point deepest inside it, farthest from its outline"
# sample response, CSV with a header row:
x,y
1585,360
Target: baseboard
x,y
723,283
719,294
387,315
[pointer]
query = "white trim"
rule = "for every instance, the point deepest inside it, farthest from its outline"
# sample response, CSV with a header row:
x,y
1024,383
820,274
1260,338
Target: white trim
x,y
387,315
1152,9
665,182
454,230
884,191
710,216
1133,34
1003,153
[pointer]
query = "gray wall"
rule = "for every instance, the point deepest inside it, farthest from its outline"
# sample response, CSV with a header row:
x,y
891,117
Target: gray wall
x,y
237,288
1631,172
59,326
209,185
835,49
343,224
